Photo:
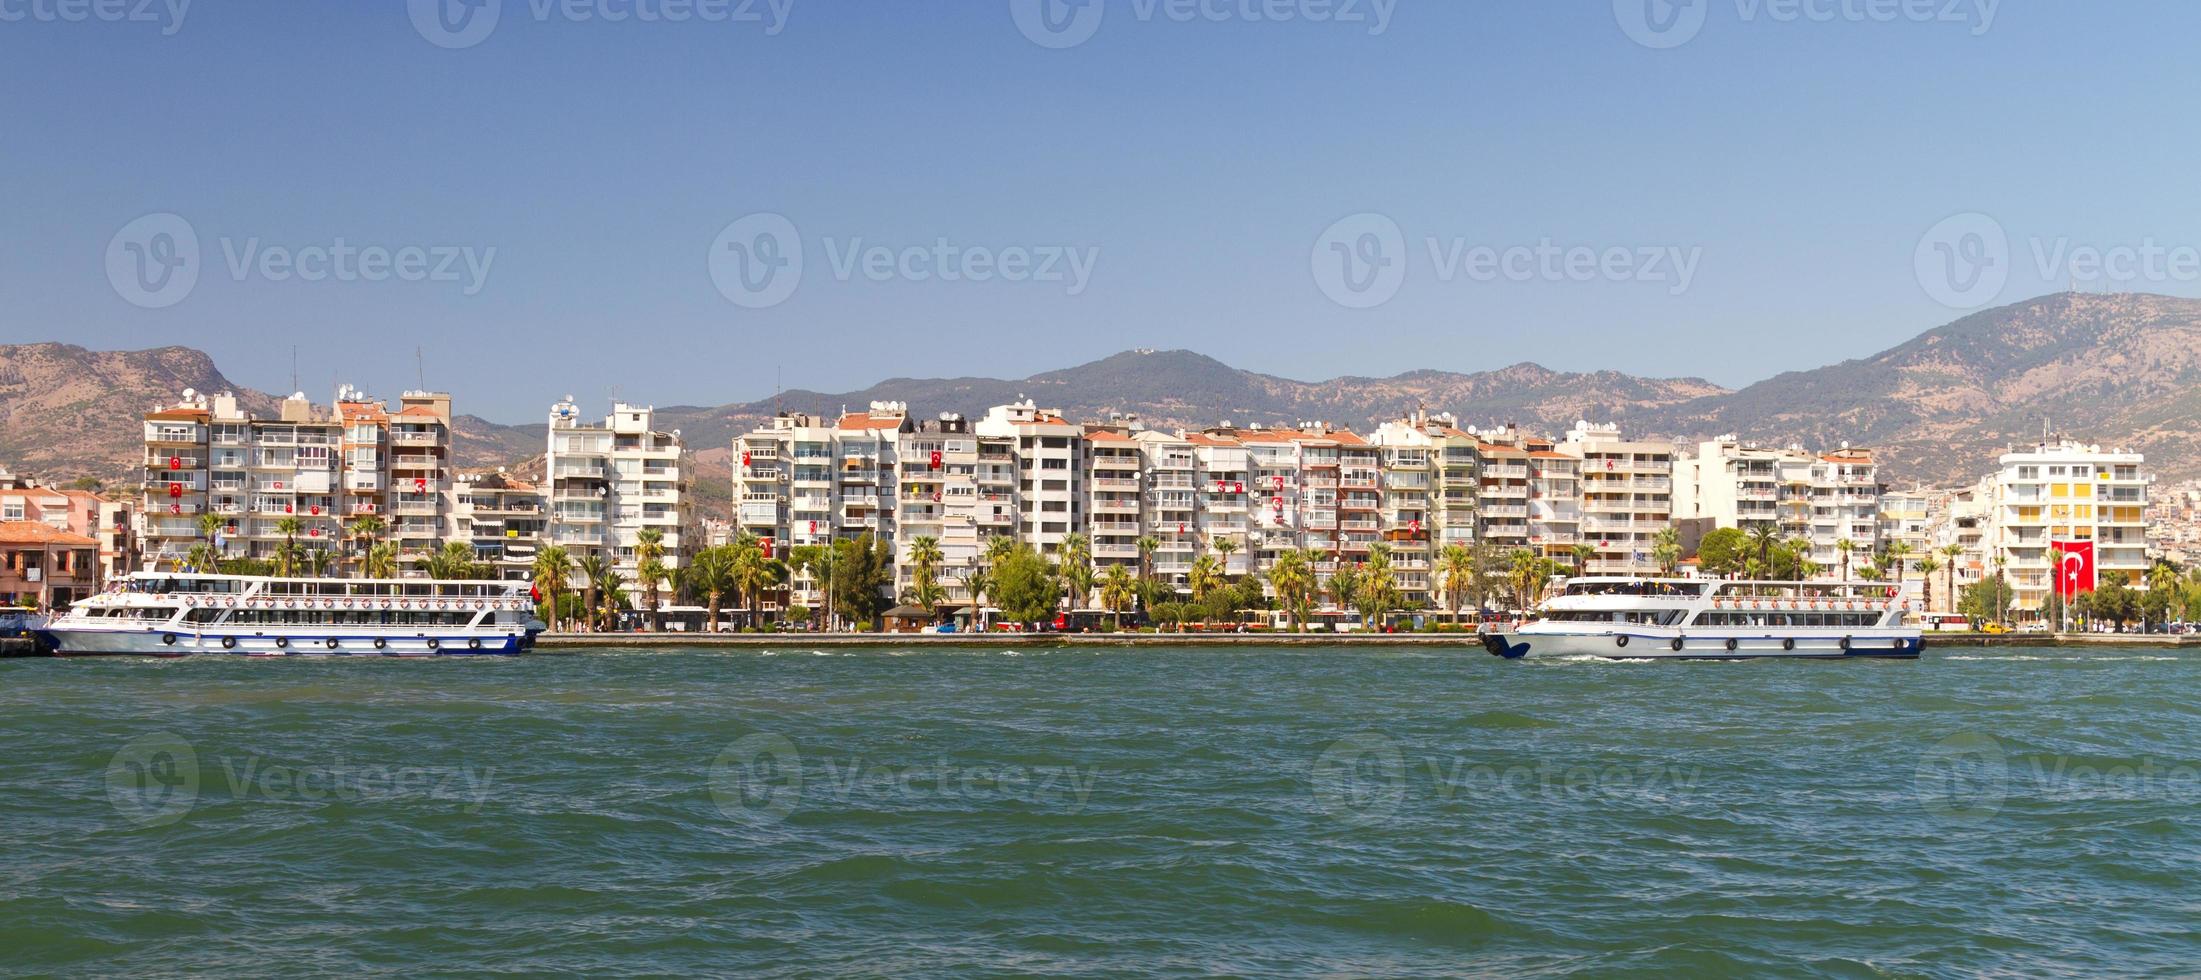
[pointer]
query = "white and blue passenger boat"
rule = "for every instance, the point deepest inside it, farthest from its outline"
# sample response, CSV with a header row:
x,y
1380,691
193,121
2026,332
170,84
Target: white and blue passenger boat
x,y
154,614
1702,619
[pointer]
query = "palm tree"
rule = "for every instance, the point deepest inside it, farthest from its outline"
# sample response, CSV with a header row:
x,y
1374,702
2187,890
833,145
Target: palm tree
x,y
1765,534
210,524
1927,566
318,561
712,575
1845,546
1456,568
381,561
754,573
365,528
593,567
1379,588
1666,550
978,581
1527,576
613,594
1582,555
287,554
924,571
1117,590
1077,568
1205,576
1897,553
1292,576
1953,552
1147,545
816,561
649,562
552,567
1224,547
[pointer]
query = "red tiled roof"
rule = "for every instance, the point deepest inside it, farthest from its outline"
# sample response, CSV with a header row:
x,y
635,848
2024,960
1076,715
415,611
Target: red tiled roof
x,y
862,421
179,414
37,533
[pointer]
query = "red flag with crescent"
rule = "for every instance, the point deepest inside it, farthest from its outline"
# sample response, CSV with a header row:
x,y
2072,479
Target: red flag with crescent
x,y
2074,567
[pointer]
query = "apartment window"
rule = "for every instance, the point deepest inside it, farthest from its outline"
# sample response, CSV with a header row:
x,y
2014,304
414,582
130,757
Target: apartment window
x,y
11,511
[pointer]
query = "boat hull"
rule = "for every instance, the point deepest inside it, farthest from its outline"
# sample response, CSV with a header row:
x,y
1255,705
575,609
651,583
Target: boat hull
x,y
1862,645
171,643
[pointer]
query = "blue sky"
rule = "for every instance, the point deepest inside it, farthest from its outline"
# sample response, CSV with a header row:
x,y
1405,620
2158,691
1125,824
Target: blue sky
x,y
1196,163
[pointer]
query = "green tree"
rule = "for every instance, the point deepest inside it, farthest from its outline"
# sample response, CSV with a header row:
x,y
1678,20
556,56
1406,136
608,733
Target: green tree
x,y
1845,546
380,561
553,568
863,577
1527,577
288,554
711,576
649,563
366,531
1582,554
1292,576
1723,552
816,561
1666,550
1456,570
924,572
1117,591
1344,587
1026,587
1927,566
1379,590
592,567
1077,569
1764,537
1206,575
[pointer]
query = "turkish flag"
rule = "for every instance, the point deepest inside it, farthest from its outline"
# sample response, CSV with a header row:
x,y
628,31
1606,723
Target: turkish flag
x,y
936,459
2074,567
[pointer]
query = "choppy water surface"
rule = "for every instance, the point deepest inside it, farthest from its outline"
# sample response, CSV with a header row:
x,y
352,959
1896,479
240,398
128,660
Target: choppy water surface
x,y
1103,812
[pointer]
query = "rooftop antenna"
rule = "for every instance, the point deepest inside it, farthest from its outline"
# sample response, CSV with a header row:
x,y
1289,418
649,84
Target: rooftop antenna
x,y
420,369
294,368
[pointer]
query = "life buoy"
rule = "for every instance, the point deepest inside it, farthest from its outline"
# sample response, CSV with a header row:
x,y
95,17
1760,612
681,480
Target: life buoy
x,y
1621,640
229,643
331,643
1731,644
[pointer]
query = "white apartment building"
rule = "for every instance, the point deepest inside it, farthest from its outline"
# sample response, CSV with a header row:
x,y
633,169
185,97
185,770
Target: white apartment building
x,y
1228,495
2067,491
1049,453
204,455
938,499
1819,498
504,518
607,481
1627,497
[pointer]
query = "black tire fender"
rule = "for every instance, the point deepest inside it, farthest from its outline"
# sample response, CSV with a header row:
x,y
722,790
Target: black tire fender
x,y
379,643
1676,644
1621,640
229,643
1731,644
168,639
1845,644
1789,643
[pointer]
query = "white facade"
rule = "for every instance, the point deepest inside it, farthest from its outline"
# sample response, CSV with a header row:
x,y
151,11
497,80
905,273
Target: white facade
x,y
607,481
2067,491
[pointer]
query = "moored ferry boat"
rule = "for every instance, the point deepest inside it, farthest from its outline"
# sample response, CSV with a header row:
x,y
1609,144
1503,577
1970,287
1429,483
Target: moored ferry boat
x,y
155,614
1702,619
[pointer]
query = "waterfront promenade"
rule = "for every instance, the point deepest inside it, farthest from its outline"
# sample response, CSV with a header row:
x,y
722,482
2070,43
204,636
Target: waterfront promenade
x,y
559,642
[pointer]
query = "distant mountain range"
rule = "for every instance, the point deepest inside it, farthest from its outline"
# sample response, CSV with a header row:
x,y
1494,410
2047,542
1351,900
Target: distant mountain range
x,y
2123,368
